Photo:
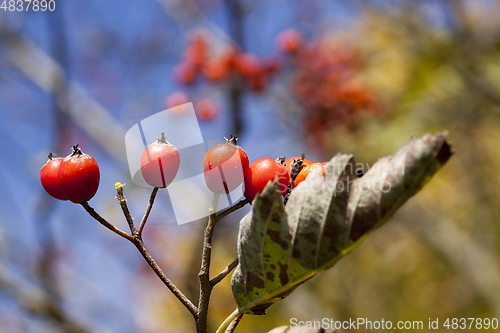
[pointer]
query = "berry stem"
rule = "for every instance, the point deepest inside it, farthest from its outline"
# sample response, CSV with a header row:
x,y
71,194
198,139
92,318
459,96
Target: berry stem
x,y
224,272
148,210
234,207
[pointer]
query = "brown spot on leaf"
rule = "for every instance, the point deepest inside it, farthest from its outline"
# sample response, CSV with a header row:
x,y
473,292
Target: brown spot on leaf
x,y
254,281
315,224
283,276
265,209
275,237
311,237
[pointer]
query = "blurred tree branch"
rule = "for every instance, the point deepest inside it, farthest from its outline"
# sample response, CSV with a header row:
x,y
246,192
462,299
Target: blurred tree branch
x,y
49,75
38,302
235,14
72,98
189,16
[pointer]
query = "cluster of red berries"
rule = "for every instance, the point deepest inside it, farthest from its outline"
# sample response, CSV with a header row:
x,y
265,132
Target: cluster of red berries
x,y
229,162
225,167
324,83
323,78
200,59
75,177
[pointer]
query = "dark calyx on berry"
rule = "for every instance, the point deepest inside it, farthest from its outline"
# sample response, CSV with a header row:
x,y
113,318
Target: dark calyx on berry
x,y
281,160
162,139
296,167
76,151
233,139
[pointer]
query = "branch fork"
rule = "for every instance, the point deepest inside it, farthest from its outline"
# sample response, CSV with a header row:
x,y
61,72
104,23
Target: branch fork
x,y
135,237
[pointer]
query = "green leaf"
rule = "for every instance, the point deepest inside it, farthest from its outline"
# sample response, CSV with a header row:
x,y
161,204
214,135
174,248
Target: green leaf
x,y
325,218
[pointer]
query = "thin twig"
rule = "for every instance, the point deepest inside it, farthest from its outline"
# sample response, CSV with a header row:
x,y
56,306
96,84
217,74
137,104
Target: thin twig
x,y
126,212
148,210
234,323
105,223
173,288
206,286
224,272
204,274
135,238
231,209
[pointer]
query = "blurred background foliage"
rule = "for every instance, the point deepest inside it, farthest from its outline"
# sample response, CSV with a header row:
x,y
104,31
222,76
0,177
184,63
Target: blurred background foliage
x,y
319,76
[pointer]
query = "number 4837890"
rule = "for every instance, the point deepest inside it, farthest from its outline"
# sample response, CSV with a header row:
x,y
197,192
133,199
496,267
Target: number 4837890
x,y
25,5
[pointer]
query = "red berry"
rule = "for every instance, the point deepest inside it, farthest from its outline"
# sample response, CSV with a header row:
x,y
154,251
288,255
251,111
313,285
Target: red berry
x,y
177,99
306,170
288,163
215,69
185,73
225,166
79,176
195,53
289,41
49,176
258,80
197,50
160,162
247,64
263,171
228,55
206,109
272,65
